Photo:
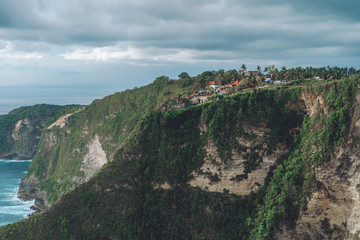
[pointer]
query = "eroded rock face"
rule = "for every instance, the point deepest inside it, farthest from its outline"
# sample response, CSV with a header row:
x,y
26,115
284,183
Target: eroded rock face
x,y
25,136
61,121
15,134
218,176
49,140
94,159
333,210
29,190
315,104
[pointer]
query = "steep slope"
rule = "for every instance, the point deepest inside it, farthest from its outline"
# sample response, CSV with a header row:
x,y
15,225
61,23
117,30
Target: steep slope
x,y
20,130
238,168
332,209
80,142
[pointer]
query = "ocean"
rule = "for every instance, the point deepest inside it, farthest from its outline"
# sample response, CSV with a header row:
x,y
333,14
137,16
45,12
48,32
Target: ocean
x,y
12,209
14,97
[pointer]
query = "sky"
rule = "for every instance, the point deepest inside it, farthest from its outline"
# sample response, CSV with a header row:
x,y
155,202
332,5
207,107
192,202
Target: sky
x,y
113,45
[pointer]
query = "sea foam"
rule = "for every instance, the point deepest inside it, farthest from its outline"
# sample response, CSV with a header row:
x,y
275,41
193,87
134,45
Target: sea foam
x,y
12,209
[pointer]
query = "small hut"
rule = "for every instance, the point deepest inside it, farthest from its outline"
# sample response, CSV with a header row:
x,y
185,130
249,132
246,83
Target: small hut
x,y
212,84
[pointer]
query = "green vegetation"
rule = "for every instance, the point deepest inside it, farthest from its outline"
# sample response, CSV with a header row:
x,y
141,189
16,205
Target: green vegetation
x,y
36,116
151,149
294,180
113,119
124,200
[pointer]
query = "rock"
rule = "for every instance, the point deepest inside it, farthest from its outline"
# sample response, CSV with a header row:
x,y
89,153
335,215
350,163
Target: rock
x,y
28,188
333,209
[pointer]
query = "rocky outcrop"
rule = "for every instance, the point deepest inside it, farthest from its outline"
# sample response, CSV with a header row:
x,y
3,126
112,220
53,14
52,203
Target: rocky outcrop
x,y
21,130
60,122
315,104
268,192
25,138
80,142
15,133
29,190
233,176
333,209
94,159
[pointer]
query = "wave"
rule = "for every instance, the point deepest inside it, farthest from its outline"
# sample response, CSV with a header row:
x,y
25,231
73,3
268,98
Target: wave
x,y
9,190
15,210
12,208
17,161
19,210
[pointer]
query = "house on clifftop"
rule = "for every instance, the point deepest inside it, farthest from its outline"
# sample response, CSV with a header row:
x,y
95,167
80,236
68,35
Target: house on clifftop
x,y
212,84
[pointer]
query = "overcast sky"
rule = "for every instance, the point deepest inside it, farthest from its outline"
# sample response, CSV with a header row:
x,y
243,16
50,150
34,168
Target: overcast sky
x,y
120,44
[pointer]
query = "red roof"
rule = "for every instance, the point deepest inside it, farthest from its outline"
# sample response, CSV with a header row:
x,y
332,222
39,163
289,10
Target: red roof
x,y
212,83
235,83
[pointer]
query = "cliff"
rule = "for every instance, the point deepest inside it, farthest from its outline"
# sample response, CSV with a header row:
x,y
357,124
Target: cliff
x,y
332,208
20,130
78,143
264,164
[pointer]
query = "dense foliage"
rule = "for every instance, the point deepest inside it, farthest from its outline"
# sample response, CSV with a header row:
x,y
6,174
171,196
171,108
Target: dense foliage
x,y
113,119
282,73
294,180
125,199
38,115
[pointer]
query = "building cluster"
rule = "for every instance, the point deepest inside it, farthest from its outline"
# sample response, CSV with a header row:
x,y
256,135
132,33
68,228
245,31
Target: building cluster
x,y
216,90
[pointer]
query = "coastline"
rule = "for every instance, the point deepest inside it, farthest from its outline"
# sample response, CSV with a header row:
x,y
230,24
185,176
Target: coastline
x,y
12,207
29,191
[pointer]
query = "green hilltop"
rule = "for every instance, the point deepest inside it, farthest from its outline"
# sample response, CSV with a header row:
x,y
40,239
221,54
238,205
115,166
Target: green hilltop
x,y
22,143
158,182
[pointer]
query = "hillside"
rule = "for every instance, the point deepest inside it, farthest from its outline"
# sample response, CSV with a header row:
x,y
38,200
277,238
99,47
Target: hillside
x,y
20,130
83,140
80,142
275,162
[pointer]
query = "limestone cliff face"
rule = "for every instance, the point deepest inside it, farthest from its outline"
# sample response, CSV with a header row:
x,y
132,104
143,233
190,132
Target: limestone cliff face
x,y
21,130
230,175
25,136
268,164
333,209
67,148
77,144
94,159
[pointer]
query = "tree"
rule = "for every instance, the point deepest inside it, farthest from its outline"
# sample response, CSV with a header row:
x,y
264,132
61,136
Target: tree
x,y
258,68
220,76
272,70
183,75
229,76
282,72
242,70
352,71
266,69
161,82
242,85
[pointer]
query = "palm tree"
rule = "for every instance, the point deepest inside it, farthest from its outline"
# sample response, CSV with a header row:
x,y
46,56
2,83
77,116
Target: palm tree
x,y
243,70
258,68
282,72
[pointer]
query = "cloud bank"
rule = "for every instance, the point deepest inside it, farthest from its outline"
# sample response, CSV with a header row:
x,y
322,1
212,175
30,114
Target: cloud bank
x,y
44,37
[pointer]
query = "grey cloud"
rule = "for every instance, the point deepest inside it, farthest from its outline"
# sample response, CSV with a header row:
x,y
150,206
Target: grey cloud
x,y
255,29
345,10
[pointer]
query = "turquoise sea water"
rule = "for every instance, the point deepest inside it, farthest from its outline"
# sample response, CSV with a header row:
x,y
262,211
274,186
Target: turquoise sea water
x,y
12,209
